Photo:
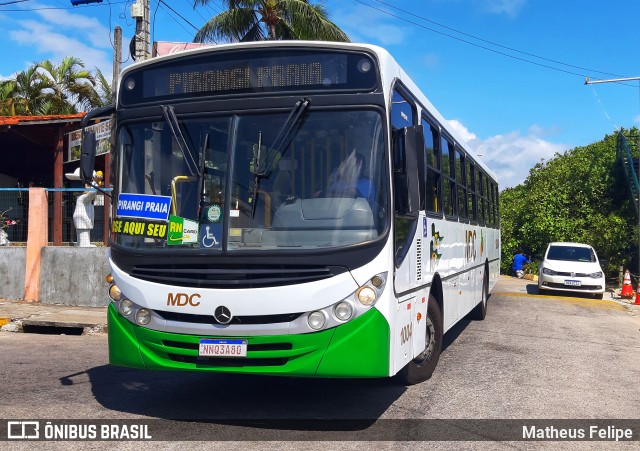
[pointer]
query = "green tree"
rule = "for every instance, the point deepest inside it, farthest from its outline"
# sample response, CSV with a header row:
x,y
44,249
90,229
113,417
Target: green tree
x,y
104,93
22,95
69,86
7,101
575,196
47,88
257,20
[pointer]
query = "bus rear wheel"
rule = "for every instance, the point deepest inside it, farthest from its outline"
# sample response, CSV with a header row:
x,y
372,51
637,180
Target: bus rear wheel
x,y
421,368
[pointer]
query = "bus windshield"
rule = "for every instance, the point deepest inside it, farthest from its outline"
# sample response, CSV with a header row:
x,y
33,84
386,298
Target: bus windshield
x,y
257,181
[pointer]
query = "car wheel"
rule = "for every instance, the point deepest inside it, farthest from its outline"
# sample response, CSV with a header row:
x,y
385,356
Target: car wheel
x,y
480,311
598,295
421,368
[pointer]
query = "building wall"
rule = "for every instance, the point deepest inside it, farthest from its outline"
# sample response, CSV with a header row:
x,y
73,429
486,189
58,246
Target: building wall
x,y
74,276
12,267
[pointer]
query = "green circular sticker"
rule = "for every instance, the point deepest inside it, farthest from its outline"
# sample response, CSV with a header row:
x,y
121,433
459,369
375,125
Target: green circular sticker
x,y
214,213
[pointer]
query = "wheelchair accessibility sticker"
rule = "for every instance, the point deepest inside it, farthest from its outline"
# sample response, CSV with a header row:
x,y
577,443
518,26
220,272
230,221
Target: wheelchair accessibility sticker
x,y
210,236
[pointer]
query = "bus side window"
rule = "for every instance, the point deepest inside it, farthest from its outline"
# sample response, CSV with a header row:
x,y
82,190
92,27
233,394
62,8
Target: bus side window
x,y
448,180
432,165
461,179
471,184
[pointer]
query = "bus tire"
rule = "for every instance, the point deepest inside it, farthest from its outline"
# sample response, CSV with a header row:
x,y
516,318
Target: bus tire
x,y
421,368
479,312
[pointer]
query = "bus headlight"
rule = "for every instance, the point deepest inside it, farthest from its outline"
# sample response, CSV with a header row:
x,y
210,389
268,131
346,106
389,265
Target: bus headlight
x,y
125,307
366,295
343,310
115,293
143,316
316,320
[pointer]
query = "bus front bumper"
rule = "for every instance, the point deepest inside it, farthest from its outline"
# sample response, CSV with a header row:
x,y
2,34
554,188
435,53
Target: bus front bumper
x,y
358,348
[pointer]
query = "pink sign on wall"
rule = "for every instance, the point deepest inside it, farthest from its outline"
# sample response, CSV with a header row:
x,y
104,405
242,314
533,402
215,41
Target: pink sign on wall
x,y
161,48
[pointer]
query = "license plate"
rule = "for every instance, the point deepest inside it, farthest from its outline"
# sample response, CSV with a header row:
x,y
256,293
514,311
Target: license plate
x,y
222,348
573,283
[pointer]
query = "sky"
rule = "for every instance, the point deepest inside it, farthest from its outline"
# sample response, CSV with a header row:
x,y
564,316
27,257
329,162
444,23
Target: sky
x,y
508,75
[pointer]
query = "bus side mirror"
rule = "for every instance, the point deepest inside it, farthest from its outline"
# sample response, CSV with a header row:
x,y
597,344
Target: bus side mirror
x,y
88,156
408,144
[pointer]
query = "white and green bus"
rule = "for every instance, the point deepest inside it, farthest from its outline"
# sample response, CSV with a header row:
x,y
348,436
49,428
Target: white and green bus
x,y
290,208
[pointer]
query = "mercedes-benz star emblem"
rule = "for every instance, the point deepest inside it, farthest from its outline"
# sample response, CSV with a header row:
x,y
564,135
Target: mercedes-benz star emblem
x,y
222,314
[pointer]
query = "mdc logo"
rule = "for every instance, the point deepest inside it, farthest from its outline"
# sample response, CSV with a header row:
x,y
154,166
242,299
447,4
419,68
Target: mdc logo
x,y
182,299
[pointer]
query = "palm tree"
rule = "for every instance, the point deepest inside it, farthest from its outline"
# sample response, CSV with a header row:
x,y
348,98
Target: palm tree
x,y
46,88
24,94
257,20
104,91
69,86
7,101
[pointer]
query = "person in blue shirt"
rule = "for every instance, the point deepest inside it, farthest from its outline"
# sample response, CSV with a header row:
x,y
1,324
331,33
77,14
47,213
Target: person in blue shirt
x,y
349,179
519,261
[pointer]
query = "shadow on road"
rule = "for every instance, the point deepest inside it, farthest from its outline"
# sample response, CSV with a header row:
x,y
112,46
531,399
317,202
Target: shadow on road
x,y
207,396
532,288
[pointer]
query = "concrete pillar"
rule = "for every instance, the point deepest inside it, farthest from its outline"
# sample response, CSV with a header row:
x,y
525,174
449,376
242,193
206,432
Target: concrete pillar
x,y
37,238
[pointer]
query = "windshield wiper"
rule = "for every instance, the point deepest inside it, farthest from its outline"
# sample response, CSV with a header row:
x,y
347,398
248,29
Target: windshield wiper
x,y
285,136
280,144
172,120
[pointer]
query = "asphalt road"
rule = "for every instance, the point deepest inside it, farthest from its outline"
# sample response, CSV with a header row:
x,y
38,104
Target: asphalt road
x,y
533,357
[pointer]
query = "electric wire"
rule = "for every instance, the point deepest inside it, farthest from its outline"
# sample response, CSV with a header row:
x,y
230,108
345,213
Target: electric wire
x,y
42,8
162,6
479,45
178,14
495,43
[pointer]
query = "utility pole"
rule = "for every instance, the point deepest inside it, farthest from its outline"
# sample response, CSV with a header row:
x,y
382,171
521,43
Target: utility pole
x,y
140,12
587,81
117,60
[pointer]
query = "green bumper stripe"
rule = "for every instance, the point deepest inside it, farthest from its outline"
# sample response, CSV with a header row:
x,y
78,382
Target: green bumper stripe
x,y
359,348
123,345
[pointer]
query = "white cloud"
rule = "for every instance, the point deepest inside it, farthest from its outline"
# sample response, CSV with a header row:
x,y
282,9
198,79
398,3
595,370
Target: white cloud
x,y
509,7
364,24
56,34
55,45
88,27
462,131
510,156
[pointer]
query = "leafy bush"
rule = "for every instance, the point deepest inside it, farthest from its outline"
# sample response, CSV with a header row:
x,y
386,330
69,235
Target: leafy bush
x,y
576,196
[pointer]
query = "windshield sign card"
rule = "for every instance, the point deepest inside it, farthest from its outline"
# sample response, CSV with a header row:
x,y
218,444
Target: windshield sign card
x,y
144,206
182,231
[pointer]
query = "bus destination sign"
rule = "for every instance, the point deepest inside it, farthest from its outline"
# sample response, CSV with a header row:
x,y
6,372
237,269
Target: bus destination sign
x,y
247,77
219,73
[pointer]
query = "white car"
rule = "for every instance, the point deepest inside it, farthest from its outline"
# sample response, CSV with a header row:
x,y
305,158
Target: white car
x,y
571,267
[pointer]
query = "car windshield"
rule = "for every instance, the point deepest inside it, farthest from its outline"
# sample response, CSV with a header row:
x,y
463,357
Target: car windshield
x,y
252,181
571,254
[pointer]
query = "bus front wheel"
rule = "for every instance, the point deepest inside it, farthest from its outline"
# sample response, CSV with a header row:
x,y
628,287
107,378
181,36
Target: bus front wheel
x,y
421,368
